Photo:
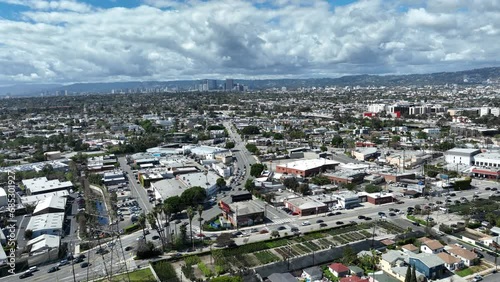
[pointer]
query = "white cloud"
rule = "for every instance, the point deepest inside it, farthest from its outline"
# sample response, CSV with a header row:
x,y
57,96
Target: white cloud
x,y
71,41
64,5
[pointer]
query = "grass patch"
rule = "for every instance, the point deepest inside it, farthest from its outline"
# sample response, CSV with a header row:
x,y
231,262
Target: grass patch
x,y
413,218
140,275
266,257
464,272
276,243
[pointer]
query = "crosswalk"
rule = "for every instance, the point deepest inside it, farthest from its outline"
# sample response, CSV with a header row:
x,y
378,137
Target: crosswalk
x,y
282,220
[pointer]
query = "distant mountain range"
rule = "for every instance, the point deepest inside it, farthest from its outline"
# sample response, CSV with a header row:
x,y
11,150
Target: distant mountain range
x,y
468,77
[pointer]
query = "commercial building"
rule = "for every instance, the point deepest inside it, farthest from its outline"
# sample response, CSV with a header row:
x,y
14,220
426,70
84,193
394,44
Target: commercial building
x,y
114,177
307,168
461,156
245,213
379,198
101,163
346,199
304,206
54,155
42,185
34,199
365,153
487,159
53,204
49,223
206,180
167,188
43,243
345,176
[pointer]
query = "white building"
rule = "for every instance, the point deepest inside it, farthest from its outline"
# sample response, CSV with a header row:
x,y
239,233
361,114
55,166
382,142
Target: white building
x,y
222,170
34,199
346,199
487,159
52,204
460,156
43,185
207,181
49,223
44,243
377,108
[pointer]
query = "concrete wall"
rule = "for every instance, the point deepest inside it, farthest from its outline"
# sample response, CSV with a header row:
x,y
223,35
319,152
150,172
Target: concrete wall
x,y
319,257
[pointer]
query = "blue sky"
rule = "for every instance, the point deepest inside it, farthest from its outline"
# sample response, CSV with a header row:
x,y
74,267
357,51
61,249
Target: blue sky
x,y
66,41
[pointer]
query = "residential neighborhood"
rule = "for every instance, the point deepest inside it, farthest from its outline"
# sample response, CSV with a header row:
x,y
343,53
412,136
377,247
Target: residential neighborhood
x,y
270,186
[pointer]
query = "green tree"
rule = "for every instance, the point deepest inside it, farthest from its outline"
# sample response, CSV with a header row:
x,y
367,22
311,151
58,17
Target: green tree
x,y
320,180
142,223
193,196
175,204
252,148
200,209
257,169
337,141
229,145
413,274
190,214
303,189
28,234
250,185
408,274
422,135
278,136
323,148
348,255
250,130
370,188
221,183
291,183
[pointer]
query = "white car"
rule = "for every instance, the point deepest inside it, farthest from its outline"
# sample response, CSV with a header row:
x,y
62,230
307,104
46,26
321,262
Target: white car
x,y
305,223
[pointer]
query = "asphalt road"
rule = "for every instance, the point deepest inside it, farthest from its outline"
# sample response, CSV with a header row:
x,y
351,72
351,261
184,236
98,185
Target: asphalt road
x,y
99,266
137,190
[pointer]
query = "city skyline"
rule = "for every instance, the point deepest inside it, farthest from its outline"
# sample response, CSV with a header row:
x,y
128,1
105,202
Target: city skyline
x,y
105,41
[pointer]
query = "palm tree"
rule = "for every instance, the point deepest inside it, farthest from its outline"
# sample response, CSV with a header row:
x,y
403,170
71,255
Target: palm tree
x,y
167,211
200,219
190,214
142,222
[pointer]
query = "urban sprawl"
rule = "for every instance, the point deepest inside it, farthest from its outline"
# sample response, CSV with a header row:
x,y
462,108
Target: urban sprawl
x,y
226,183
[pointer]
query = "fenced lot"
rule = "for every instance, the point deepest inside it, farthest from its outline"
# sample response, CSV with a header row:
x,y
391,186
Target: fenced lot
x,y
278,249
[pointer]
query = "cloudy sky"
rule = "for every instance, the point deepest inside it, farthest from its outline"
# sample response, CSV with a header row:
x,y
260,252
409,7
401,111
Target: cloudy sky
x,y
66,41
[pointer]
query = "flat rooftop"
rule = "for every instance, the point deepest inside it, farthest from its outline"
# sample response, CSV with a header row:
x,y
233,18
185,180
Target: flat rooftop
x,y
46,221
309,164
41,184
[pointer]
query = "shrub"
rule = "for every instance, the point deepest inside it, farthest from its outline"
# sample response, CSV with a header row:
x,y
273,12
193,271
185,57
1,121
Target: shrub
x,y
206,271
192,260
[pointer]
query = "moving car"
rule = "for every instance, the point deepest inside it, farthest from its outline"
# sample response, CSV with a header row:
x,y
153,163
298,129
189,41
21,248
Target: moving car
x,y
25,275
85,264
63,262
53,269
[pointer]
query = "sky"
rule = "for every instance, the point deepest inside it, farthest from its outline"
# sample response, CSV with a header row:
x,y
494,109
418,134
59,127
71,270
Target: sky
x,y
68,41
